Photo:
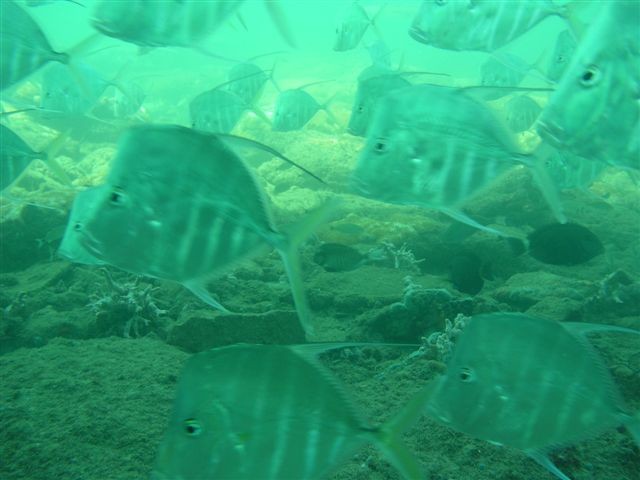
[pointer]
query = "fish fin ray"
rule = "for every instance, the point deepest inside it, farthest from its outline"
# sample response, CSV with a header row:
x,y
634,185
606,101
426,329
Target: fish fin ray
x,y
544,460
201,292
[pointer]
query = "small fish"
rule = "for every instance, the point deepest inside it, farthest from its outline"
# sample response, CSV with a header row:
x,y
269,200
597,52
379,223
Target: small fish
x,y
71,248
247,80
594,112
467,272
216,111
269,412
373,83
294,108
530,384
521,112
180,204
352,27
335,257
436,147
23,46
482,25
562,53
564,244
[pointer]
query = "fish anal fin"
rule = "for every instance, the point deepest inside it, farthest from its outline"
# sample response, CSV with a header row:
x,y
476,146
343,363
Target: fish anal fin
x,y
544,460
201,292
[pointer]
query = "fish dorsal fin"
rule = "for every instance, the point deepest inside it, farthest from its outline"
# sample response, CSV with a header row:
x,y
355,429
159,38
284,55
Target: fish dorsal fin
x,y
579,328
233,140
544,460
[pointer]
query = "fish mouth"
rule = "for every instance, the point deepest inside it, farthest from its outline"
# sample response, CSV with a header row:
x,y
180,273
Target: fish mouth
x,y
419,35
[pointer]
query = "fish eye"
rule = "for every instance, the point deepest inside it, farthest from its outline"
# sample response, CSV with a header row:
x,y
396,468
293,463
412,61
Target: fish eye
x,y
77,226
380,145
360,108
591,76
441,2
117,197
465,374
192,427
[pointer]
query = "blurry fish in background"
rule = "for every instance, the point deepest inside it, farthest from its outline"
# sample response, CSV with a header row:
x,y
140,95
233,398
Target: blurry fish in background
x,y
502,70
216,111
379,54
180,204
16,156
39,3
595,112
335,257
115,104
562,53
295,107
530,384
270,412
352,26
521,112
436,147
564,244
71,248
184,23
482,25
247,80
23,46
570,171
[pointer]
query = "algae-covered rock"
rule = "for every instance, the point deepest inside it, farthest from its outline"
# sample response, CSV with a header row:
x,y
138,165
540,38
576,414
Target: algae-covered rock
x,y
199,330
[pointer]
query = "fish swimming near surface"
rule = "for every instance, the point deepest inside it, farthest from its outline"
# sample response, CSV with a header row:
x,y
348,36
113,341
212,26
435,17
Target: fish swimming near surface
x,y
269,412
352,27
295,107
23,46
529,383
564,244
181,205
594,112
436,147
336,257
481,25
521,112
172,23
562,53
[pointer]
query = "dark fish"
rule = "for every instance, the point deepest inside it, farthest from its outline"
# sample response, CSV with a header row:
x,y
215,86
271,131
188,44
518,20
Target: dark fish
x,y
352,27
483,25
521,112
564,244
294,108
335,257
180,204
530,384
562,53
23,46
436,147
269,412
467,272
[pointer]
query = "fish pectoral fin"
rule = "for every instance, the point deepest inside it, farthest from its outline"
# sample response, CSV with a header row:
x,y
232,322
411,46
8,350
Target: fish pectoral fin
x,y
201,292
543,459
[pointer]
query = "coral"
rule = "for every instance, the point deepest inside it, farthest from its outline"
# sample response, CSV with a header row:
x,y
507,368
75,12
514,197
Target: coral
x,y
439,345
396,257
127,309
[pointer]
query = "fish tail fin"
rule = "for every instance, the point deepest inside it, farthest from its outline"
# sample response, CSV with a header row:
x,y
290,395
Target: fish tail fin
x,y
261,115
325,107
544,460
287,246
387,437
50,153
633,425
375,18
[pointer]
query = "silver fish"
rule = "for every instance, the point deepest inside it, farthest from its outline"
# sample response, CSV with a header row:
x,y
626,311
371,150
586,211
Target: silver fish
x,y
294,108
247,80
71,248
352,27
562,53
569,171
23,46
15,156
529,383
436,147
504,70
483,25
268,412
595,112
521,112
181,205
216,111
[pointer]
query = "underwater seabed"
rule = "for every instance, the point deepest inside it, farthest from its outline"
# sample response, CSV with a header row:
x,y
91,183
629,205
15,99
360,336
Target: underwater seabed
x,y
91,355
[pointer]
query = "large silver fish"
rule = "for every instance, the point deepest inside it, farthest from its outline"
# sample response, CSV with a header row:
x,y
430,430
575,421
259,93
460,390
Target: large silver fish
x,y
269,412
181,205
23,46
483,25
436,147
529,383
595,111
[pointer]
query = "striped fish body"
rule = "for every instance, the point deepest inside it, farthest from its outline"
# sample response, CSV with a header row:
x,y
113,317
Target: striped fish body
x,y
594,112
15,156
216,111
370,89
351,28
293,110
562,53
23,46
569,171
482,25
177,204
432,146
247,81
258,412
161,23
526,383
521,112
